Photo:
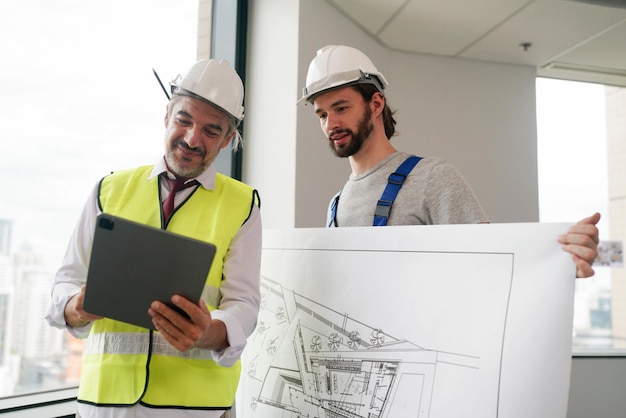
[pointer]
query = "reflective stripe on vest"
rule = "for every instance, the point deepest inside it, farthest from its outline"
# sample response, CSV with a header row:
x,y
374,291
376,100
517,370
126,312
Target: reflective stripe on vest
x,y
124,364
139,343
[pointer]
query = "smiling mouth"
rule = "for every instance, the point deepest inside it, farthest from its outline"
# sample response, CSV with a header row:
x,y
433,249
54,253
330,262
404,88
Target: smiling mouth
x,y
339,138
187,151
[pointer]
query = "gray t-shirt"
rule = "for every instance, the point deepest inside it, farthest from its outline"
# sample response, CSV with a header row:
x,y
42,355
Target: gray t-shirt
x,y
434,193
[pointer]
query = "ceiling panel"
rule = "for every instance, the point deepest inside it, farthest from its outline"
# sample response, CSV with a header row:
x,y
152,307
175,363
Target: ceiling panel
x,y
605,51
445,27
371,15
587,36
551,26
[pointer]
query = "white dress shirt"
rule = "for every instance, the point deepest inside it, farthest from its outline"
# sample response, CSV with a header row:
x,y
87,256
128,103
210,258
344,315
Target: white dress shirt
x,y
238,308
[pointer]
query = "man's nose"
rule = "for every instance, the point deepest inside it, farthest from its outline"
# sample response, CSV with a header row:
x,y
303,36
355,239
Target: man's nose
x,y
192,137
332,122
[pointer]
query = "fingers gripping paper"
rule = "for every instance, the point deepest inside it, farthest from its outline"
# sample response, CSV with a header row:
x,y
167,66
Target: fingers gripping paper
x,y
414,321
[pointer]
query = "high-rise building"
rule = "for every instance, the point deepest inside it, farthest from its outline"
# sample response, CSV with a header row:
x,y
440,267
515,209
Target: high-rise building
x,y
6,227
7,293
41,348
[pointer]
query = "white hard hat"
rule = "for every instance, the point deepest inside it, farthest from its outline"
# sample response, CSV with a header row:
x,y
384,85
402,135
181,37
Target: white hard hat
x,y
215,82
339,65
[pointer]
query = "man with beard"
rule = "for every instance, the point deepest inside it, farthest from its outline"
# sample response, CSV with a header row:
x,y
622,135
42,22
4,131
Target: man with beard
x,y
347,92
190,366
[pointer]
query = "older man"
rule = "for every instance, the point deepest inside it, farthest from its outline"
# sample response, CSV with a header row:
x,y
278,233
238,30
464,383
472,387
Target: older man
x,y
190,366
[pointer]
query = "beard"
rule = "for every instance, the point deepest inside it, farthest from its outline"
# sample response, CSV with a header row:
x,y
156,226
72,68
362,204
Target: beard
x,y
357,139
179,167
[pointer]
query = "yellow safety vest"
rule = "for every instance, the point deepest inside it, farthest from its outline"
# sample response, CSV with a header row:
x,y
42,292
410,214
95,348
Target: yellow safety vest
x,y
124,364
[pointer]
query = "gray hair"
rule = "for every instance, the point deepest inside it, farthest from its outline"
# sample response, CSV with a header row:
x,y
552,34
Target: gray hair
x,y
237,141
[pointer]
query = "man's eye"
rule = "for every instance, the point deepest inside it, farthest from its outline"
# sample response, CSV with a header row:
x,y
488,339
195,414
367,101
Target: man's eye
x,y
183,122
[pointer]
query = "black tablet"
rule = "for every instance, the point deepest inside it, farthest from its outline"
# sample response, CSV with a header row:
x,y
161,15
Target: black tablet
x,y
133,264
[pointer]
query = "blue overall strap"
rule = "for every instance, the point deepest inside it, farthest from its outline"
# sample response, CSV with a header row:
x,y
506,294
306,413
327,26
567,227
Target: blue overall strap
x,y
383,207
333,210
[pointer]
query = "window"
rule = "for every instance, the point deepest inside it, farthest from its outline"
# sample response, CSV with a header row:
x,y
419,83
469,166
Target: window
x,y
581,159
79,100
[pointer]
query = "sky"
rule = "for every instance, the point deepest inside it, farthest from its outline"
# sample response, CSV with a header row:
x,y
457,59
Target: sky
x,y
79,100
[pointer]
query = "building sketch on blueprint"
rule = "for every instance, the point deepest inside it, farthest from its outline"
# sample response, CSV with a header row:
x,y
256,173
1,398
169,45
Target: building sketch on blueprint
x,y
308,360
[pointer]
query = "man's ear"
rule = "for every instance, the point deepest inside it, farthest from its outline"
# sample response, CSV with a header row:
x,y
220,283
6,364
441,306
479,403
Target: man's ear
x,y
377,103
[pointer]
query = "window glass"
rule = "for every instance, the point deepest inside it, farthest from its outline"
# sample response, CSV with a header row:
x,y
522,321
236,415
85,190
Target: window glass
x,y
79,100
581,160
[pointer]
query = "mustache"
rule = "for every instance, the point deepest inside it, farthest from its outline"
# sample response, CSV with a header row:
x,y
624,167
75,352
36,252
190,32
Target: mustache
x,y
331,134
183,144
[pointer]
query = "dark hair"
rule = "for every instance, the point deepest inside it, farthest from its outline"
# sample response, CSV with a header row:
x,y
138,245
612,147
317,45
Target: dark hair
x,y
367,91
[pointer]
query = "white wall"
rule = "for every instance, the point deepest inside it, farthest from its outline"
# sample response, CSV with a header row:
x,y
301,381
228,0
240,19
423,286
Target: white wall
x,y
271,79
479,116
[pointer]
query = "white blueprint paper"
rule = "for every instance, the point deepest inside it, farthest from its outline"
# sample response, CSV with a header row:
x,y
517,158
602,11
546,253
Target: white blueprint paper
x,y
412,321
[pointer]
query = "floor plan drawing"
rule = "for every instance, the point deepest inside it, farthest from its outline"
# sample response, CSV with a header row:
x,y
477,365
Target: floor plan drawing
x,y
320,363
351,329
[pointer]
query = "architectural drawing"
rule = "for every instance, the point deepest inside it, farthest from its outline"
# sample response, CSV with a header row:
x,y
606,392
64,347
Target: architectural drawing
x,y
311,361
403,322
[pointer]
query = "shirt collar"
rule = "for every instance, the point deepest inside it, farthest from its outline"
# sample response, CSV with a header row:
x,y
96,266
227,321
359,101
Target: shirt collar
x,y
206,179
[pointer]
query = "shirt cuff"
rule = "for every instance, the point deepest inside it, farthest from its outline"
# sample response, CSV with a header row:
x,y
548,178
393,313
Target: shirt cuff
x,y
236,339
80,332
